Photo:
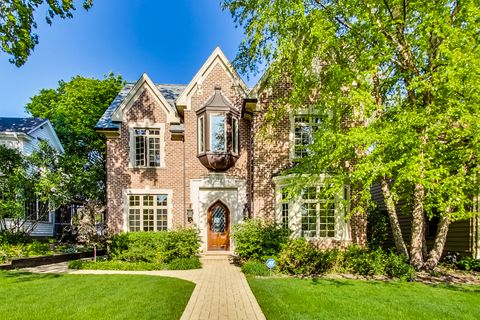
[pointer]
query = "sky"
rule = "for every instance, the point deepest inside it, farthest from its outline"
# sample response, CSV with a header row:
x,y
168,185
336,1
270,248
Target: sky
x,y
169,40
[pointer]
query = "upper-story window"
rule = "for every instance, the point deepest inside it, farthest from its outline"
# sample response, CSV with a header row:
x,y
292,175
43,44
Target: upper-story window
x,y
305,127
218,132
218,142
147,147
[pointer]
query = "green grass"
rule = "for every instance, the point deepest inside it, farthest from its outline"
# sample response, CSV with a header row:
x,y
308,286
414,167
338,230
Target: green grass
x,y
355,299
51,296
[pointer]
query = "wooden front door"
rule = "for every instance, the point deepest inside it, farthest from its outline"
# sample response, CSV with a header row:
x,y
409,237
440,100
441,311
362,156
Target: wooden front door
x,y
218,227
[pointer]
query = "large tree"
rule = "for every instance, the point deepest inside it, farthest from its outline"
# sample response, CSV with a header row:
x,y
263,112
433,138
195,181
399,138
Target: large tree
x,y
74,108
17,24
396,83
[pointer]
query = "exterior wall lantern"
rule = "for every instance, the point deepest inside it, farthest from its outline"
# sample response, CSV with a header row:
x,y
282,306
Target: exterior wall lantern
x,y
190,214
218,143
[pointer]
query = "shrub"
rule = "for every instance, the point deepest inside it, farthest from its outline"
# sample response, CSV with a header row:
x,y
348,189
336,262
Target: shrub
x,y
37,249
298,257
364,262
469,264
184,264
156,247
257,240
397,266
115,265
255,268
377,228
13,238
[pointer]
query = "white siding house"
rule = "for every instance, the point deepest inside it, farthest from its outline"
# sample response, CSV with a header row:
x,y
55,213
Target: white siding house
x,y
25,135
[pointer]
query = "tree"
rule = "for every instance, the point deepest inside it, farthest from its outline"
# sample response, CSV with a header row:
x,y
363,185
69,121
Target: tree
x,y
396,85
74,108
17,24
37,178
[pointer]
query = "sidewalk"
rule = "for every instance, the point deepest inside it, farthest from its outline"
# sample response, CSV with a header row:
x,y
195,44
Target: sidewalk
x,y
221,290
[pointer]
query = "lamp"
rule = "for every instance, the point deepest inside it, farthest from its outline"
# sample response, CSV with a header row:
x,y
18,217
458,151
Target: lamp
x,y
190,214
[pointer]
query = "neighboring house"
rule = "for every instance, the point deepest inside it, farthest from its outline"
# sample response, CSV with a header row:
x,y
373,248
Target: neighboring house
x,y
194,155
25,135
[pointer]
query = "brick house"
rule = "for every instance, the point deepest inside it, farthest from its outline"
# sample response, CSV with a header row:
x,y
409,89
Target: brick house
x,y
193,155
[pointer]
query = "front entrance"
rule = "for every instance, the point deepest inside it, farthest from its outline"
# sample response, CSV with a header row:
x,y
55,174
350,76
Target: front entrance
x,y
218,227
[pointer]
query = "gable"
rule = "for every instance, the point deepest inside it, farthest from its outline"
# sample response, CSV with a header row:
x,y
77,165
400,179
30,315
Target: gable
x,y
141,86
216,59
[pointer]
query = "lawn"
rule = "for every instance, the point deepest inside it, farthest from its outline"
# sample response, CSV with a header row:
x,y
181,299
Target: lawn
x,y
49,296
356,299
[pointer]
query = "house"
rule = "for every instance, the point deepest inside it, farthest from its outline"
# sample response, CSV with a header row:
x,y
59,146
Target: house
x,y
192,155
25,135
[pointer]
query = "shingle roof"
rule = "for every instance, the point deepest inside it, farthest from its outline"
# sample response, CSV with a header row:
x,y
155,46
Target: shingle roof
x,y
22,125
169,91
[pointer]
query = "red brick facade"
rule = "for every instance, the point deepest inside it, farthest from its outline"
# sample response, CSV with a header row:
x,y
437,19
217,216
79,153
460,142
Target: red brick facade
x,y
261,157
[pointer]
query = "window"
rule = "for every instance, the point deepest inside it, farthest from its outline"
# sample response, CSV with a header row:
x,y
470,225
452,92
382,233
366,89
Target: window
x,y
148,212
305,127
285,212
217,133
147,147
317,214
235,135
37,210
201,134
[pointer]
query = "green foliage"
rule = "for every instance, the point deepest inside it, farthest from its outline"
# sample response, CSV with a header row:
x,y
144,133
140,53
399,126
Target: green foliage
x,y
17,24
184,264
377,228
255,268
468,264
10,251
395,84
258,240
74,108
157,247
175,264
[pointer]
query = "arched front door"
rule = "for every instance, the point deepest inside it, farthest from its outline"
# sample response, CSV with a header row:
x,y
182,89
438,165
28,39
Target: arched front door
x,y
218,227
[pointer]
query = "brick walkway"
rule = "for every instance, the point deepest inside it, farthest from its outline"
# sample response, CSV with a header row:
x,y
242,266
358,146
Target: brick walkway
x,y
221,290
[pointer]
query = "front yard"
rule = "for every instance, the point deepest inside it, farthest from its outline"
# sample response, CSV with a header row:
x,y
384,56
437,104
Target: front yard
x,y
292,298
51,296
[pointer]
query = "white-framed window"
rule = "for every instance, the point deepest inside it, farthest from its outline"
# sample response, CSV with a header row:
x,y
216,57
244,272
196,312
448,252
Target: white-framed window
x,y
218,132
148,212
310,212
235,136
147,145
317,214
304,129
201,134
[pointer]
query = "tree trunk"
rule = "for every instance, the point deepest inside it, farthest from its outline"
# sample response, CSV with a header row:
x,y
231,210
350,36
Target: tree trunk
x,y
95,253
440,239
392,214
418,228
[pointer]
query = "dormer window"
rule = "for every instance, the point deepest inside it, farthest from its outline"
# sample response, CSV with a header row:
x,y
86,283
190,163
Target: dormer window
x,y
218,142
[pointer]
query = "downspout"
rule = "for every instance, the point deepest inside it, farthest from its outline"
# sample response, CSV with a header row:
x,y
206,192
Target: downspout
x,y
184,191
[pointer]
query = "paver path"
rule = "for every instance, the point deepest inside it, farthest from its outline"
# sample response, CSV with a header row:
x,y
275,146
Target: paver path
x,y
221,291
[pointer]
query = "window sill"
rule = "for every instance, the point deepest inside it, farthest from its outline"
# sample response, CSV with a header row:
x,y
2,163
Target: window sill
x,y
147,168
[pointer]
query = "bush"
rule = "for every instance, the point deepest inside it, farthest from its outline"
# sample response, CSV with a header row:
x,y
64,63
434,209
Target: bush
x,y
35,248
300,257
155,247
255,268
469,264
397,266
257,240
13,238
176,264
364,262
184,264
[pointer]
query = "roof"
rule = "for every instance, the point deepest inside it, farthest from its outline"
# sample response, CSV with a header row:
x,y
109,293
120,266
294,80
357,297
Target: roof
x,y
21,125
169,91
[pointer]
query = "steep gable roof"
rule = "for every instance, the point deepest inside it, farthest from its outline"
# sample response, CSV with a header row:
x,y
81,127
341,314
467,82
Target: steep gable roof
x,y
217,57
170,93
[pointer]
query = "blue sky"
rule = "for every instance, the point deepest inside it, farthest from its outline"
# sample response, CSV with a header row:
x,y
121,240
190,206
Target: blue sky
x,y
169,40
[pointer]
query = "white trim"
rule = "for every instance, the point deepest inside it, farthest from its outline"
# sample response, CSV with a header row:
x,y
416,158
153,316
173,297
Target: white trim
x,y
145,124
47,122
216,58
342,229
147,191
143,84
206,191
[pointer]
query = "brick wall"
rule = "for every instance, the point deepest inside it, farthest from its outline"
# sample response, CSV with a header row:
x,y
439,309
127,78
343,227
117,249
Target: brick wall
x,y
181,163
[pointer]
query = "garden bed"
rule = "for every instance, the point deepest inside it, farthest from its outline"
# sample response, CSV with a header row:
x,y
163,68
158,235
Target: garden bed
x,y
49,259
